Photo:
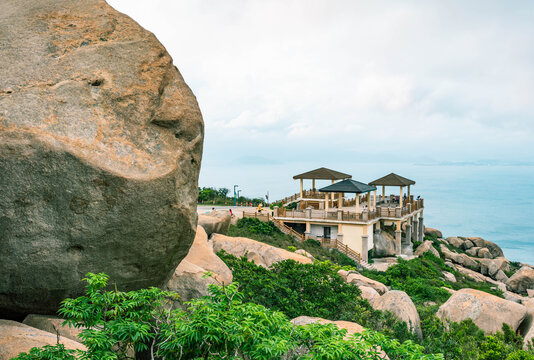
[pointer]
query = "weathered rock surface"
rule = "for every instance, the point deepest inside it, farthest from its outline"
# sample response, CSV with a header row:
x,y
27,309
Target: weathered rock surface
x,y
53,325
17,337
455,241
431,231
522,280
448,276
492,266
384,244
527,326
258,252
479,277
487,311
215,222
426,246
100,149
400,304
461,259
305,253
361,280
188,279
369,294
494,249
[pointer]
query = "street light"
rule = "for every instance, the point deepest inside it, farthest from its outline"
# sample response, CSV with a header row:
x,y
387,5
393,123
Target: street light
x,y
235,195
238,191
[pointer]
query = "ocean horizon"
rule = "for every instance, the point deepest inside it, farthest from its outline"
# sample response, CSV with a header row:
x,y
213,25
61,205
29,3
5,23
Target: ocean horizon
x,y
495,202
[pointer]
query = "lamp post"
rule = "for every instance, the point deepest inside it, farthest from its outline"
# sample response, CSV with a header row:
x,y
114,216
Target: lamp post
x,y
238,191
235,195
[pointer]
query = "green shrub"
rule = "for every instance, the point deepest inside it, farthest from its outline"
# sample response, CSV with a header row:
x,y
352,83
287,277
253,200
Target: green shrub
x,y
256,226
292,248
219,326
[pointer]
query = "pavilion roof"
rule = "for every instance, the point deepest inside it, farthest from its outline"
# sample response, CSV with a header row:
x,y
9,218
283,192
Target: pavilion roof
x,y
348,186
392,180
323,174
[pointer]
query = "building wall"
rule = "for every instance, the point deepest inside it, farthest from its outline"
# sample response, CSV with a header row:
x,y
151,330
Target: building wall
x,y
317,230
352,236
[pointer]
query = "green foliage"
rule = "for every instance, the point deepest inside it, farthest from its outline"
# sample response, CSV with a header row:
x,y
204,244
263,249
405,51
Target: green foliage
x,y
256,226
310,289
48,352
283,241
219,326
291,206
292,248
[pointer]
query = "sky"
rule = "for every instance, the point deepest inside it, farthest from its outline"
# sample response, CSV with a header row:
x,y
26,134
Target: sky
x,y
303,84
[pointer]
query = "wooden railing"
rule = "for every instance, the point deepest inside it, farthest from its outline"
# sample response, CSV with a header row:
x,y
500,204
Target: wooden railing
x,y
288,230
338,245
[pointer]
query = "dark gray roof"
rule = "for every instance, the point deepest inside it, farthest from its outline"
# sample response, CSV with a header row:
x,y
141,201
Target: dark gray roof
x,y
392,180
348,186
323,174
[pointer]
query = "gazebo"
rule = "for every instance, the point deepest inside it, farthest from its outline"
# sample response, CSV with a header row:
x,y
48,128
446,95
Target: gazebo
x,y
393,180
320,174
349,186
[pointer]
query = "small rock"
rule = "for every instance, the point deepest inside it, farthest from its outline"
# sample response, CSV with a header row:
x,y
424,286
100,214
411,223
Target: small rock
x,y
426,246
343,274
501,276
53,325
510,296
431,231
361,280
467,244
449,276
305,253
484,253
521,280
473,251
451,291
530,293
455,241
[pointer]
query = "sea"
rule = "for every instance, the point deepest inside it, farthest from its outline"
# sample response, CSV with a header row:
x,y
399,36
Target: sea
x,y
495,202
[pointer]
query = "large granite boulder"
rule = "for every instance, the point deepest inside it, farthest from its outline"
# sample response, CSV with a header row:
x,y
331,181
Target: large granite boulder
x,y
260,253
494,249
400,304
100,149
189,280
527,326
215,222
522,280
426,246
460,258
491,267
383,244
487,311
16,338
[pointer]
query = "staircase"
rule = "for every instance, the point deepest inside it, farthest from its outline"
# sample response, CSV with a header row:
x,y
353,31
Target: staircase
x,y
288,230
364,264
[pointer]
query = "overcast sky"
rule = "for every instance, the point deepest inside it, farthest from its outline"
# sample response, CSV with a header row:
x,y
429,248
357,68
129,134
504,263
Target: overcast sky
x,y
288,81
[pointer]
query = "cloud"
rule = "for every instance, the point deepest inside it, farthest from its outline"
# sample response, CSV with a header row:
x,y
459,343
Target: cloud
x,y
449,81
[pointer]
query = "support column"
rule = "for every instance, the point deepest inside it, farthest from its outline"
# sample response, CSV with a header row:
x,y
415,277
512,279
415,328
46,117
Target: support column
x,y
398,240
340,200
301,188
332,195
421,228
408,192
313,185
400,197
374,200
326,202
357,203
307,233
383,193
275,211
415,234
365,244
408,232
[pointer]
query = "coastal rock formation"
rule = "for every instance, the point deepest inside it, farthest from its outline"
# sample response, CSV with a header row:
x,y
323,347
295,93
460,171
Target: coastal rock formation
x,y
188,279
487,311
360,280
215,222
400,304
527,327
521,280
260,253
426,246
305,253
100,149
494,249
16,338
433,232
53,325
384,244
351,327
461,259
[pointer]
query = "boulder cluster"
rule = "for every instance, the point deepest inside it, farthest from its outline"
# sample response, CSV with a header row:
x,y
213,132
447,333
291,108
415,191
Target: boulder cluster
x,y
484,261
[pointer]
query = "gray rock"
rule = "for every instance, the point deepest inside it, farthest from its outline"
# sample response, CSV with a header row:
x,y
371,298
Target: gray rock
x,y
100,149
449,276
467,244
426,246
431,231
384,244
455,241
521,280
493,248
485,253
473,251
501,276
215,222
54,325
